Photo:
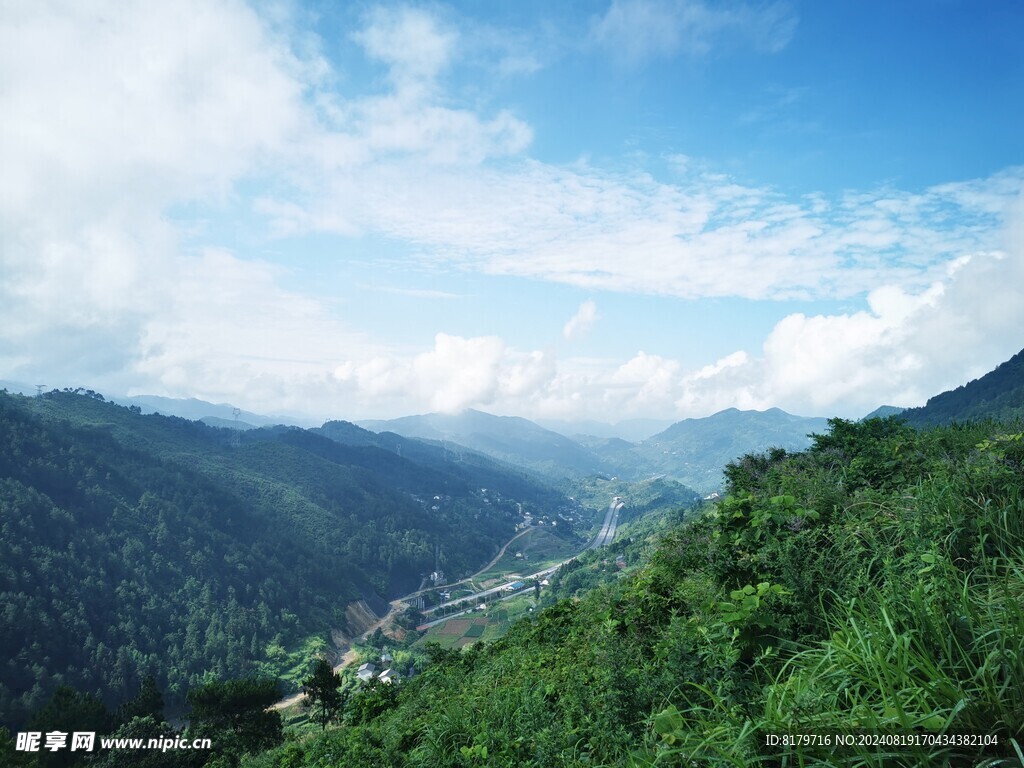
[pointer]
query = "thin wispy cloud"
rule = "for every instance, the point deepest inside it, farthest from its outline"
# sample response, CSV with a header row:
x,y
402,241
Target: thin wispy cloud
x,y
419,293
706,237
579,325
636,31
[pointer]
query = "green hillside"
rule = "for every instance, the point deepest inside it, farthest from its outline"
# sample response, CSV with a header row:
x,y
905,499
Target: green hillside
x,y
471,467
999,395
884,412
136,545
868,588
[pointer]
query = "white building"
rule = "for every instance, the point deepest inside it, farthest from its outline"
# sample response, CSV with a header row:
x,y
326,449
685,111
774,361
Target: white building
x,y
367,672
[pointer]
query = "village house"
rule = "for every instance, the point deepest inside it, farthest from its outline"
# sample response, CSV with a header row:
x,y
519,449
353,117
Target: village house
x,y
367,672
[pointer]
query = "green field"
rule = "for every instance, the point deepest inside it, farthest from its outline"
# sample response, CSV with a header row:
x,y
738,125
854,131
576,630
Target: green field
x,y
486,625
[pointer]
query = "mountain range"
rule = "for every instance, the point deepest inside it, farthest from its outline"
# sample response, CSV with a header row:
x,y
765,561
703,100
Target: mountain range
x,y
693,451
507,438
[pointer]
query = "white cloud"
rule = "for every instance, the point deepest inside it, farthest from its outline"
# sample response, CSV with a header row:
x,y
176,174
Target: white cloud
x,y
419,293
704,236
172,101
528,377
112,113
905,346
580,324
115,113
413,118
457,373
230,332
643,384
413,43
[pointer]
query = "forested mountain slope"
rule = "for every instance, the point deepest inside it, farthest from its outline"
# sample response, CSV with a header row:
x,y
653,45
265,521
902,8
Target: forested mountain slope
x,y
476,469
695,451
506,438
140,544
999,394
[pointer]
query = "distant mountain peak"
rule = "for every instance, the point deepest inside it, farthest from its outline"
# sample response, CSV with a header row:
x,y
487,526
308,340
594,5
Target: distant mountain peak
x,y
695,451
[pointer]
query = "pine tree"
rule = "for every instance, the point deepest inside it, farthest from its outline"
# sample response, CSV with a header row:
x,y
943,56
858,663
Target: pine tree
x,y
323,699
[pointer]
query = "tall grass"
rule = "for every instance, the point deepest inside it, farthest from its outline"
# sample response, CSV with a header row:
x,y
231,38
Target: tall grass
x,y
921,665
925,640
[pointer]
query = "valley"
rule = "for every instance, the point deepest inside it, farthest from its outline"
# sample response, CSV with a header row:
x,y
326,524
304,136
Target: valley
x,y
473,598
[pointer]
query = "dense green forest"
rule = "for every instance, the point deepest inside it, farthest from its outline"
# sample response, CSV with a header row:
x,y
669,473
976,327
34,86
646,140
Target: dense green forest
x,y
870,587
145,545
998,395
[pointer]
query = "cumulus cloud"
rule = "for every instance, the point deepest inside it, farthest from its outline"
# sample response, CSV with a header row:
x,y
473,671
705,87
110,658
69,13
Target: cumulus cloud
x,y
109,119
412,42
905,346
413,116
117,116
107,97
457,373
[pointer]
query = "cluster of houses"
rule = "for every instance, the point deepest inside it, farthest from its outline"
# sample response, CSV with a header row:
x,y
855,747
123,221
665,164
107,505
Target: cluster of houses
x,y
568,515
368,671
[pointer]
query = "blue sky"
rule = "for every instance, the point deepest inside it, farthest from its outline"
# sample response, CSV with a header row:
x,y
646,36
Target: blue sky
x,y
599,210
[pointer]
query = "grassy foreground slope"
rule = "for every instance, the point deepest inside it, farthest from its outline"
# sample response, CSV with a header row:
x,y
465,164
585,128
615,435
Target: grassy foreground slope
x,y
871,588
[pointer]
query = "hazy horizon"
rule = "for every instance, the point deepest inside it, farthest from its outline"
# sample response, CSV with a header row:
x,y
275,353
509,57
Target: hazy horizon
x,y
633,429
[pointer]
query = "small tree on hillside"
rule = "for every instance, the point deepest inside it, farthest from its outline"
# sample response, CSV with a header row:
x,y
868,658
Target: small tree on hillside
x,y
236,716
324,699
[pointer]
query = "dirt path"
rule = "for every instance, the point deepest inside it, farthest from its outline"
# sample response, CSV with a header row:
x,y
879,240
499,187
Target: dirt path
x,y
497,557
